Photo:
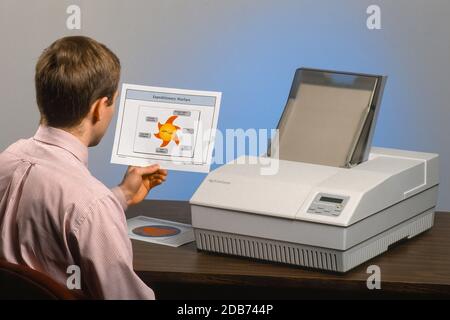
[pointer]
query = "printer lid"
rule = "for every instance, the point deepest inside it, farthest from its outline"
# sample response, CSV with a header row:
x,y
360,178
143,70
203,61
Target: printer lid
x,y
329,118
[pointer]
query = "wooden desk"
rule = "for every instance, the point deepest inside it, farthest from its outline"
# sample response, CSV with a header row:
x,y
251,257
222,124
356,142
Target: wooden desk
x,y
418,268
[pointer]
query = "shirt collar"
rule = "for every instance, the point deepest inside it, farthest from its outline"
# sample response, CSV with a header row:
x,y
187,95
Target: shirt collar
x,y
64,140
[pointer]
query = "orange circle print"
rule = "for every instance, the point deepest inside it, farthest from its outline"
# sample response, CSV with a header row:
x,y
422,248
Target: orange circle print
x,y
156,231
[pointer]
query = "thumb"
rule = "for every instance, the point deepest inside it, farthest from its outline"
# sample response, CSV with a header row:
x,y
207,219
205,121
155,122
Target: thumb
x,y
147,170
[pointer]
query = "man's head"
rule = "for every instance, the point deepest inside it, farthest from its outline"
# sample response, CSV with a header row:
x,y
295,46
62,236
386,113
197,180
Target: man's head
x,y
76,82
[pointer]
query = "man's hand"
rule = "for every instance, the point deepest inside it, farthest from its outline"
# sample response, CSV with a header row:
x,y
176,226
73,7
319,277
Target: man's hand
x,y
138,182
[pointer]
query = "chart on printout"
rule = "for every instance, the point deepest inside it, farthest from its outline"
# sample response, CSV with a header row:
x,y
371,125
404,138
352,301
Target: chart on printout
x,y
174,128
169,233
166,131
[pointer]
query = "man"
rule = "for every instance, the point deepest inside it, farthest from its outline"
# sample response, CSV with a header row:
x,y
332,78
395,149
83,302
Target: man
x,y
53,212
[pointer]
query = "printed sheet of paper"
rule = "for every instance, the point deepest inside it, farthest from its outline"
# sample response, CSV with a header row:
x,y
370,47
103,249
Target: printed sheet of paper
x,y
159,231
172,127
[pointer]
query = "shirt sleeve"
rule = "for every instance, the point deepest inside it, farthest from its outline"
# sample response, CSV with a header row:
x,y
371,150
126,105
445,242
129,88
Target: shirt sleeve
x,y
105,255
118,193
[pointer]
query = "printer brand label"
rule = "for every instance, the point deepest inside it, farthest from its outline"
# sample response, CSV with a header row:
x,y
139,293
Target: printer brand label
x,y
219,181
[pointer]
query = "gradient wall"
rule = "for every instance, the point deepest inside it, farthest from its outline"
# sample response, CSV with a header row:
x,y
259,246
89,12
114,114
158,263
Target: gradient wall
x,y
249,50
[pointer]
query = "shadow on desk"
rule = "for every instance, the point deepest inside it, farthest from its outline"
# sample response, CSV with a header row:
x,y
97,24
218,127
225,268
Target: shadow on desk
x,y
418,268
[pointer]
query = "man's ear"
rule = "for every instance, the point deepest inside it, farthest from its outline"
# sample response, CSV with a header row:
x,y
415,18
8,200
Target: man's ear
x,y
98,109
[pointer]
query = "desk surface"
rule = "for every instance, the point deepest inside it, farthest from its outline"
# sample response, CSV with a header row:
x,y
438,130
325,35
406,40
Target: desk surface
x,y
420,267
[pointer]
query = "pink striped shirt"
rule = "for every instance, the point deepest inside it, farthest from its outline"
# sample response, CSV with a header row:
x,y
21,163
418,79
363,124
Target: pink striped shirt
x,y
55,214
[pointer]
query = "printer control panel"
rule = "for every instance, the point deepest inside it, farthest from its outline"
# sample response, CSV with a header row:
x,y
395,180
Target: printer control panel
x,y
328,204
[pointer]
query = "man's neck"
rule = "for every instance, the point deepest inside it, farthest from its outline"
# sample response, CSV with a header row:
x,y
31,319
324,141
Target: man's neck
x,y
79,132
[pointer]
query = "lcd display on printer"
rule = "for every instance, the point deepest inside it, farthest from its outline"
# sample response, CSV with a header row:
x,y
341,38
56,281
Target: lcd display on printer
x,y
328,199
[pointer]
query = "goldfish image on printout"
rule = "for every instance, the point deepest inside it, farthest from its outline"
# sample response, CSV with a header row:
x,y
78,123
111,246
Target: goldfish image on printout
x,y
168,132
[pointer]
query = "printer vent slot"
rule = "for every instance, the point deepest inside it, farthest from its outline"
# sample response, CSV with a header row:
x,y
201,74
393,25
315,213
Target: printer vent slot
x,y
262,249
310,256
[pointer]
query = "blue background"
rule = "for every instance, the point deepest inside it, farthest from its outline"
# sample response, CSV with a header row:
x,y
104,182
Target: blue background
x,y
248,50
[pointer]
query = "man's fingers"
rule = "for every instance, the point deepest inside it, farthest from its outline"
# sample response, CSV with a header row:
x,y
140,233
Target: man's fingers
x,y
163,172
147,170
158,177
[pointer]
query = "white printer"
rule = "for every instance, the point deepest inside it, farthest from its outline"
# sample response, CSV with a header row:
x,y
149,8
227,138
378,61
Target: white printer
x,y
333,202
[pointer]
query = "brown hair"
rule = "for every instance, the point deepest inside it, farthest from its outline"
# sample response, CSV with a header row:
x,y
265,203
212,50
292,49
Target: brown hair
x,y
71,75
